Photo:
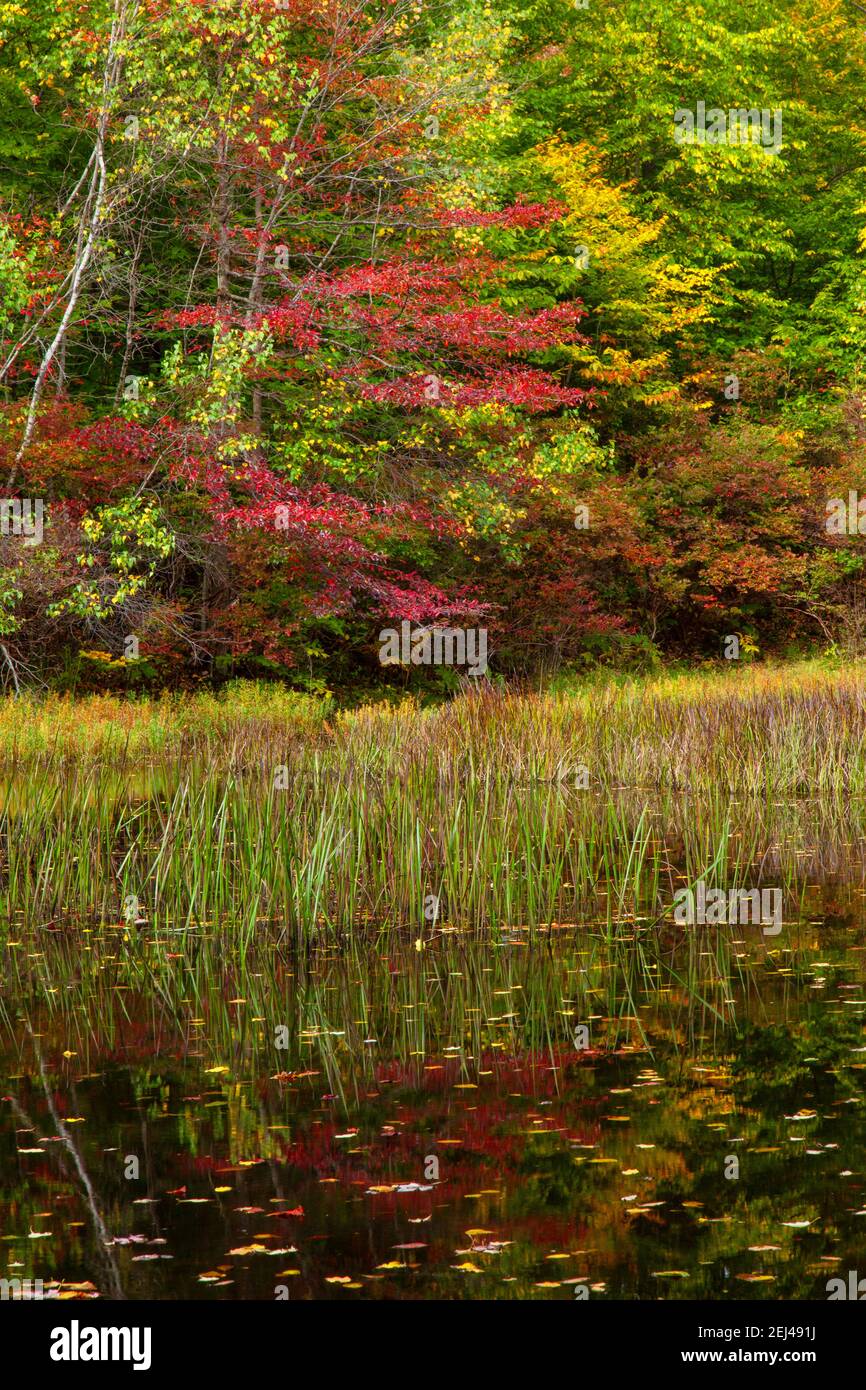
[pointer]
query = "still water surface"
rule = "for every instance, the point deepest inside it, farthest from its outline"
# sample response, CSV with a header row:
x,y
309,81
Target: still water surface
x,y
403,1121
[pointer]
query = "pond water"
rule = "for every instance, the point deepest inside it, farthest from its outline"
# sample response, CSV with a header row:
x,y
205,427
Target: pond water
x,y
425,1118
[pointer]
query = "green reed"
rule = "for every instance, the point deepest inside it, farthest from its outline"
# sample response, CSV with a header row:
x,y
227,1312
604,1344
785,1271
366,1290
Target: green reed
x,y
321,828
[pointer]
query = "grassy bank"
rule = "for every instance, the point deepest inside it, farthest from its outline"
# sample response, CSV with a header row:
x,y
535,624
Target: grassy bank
x,y
795,728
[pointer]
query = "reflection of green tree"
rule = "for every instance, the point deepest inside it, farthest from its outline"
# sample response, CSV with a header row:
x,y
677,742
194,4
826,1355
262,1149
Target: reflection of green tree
x,y
552,1180
777,1067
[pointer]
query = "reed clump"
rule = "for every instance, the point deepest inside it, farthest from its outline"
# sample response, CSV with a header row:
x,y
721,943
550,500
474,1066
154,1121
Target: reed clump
x,y
494,811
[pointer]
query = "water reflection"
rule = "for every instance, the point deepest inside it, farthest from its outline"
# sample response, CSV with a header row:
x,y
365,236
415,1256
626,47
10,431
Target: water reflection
x,y
389,1121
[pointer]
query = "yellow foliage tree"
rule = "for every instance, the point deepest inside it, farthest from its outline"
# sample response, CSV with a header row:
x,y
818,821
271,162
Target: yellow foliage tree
x,y
640,302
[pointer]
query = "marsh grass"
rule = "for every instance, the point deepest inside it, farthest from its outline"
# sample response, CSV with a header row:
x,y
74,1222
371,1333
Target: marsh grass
x,y
320,828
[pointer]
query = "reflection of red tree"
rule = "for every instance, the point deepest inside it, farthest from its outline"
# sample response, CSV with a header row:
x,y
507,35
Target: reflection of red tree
x,y
397,1131
484,1126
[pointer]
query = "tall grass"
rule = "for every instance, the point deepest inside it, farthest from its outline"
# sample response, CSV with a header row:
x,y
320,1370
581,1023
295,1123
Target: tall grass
x,y
273,811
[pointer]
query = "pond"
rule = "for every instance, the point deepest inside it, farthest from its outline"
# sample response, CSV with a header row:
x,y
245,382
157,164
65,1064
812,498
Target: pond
x,y
608,1109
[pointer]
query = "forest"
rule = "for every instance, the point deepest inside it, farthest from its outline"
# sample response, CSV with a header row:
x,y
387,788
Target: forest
x,y
542,320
